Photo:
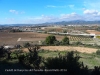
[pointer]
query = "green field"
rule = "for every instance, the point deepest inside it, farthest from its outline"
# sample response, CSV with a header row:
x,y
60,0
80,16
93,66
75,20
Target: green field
x,y
88,59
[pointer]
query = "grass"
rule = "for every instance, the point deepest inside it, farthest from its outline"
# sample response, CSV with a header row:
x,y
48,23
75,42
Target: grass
x,y
90,60
48,53
98,37
7,67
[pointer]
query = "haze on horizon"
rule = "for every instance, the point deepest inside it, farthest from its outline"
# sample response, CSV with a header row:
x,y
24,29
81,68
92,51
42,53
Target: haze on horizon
x,y
41,11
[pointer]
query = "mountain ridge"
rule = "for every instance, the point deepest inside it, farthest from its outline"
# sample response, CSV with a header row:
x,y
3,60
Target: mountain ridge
x,y
74,22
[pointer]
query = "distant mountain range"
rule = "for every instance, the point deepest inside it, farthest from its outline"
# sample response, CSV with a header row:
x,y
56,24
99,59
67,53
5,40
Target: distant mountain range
x,y
75,22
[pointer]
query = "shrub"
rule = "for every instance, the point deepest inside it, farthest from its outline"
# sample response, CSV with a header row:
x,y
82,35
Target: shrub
x,y
50,40
26,44
69,62
65,41
44,43
77,43
98,52
56,43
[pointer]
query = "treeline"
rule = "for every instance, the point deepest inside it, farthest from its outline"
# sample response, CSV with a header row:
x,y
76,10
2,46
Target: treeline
x,y
51,40
67,64
15,30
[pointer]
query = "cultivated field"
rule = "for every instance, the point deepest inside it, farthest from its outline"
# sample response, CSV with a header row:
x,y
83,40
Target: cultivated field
x,y
20,37
93,32
67,48
77,38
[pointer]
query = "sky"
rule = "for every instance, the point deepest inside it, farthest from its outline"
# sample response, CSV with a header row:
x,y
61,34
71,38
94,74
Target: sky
x,y
41,11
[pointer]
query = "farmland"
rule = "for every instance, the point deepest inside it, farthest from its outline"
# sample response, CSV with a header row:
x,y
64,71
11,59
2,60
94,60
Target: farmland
x,y
93,32
67,48
12,38
77,38
21,37
87,54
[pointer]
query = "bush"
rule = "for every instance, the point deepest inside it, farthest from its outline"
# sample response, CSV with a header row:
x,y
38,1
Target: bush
x,y
2,51
69,62
56,43
44,43
50,40
98,52
77,43
65,41
26,44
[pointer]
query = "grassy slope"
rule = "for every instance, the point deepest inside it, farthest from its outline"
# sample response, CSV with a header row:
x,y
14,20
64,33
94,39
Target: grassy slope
x,y
88,59
7,67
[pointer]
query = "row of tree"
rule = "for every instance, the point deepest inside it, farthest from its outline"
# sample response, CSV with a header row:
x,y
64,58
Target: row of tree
x,y
51,40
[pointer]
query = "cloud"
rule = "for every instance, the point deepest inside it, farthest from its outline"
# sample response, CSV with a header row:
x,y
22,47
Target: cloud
x,y
13,11
92,12
53,6
16,12
88,15
72,16
41,19
74,7
44,18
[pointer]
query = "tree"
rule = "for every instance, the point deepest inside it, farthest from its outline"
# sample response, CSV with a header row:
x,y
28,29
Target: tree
x,y
2,51
5,52
15,30
98,52
8,54
64,31
34,58
65,41
69,62
26,44
50,40
96,70
56,43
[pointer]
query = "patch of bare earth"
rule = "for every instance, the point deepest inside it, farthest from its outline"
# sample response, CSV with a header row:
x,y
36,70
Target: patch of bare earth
x,y
69,48
14,38
93,32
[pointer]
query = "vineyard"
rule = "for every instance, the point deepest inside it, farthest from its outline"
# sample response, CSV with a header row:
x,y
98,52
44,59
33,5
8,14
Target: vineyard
x,y
77,38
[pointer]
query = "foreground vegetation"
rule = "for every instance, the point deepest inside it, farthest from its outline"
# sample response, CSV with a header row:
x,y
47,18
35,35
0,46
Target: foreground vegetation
x,y
66,63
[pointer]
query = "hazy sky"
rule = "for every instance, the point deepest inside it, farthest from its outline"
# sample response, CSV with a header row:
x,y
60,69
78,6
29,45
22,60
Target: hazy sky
x,y
40,11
